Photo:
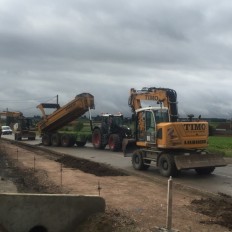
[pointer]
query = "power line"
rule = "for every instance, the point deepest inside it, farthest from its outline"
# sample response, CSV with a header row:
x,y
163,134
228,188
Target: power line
x,y
29,100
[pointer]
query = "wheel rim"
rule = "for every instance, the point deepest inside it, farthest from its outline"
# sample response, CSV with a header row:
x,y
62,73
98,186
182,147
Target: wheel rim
x,y
111,142
137,159
96,139
165,165
65,141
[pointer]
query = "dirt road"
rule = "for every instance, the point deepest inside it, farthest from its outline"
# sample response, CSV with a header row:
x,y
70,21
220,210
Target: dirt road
x,y
133,203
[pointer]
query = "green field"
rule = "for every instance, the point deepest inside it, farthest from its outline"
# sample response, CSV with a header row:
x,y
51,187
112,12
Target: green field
x,y
221,144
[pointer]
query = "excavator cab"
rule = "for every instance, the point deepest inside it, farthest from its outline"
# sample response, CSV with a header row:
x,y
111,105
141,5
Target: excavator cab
x,y
147,120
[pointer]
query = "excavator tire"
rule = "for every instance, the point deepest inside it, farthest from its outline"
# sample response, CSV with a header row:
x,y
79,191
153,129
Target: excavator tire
x,y
55,140
138,162
97,139
46,140
204,171
114,142
166,165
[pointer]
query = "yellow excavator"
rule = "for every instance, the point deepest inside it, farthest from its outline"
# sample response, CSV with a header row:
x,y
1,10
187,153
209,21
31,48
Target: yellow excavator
x,y
162,140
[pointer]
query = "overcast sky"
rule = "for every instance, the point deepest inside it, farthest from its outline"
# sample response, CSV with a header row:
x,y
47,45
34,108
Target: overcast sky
x,y
106,47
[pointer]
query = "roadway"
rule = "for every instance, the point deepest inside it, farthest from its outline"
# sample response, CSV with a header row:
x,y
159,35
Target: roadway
x,y
219,181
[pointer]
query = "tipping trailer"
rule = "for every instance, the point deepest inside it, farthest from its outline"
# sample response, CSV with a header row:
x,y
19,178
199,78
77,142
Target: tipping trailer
x,y
50,125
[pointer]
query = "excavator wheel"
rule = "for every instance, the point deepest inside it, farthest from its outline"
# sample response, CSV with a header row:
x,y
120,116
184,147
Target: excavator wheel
x,y
204,171
138,162
97,139
55,140
166,165
114,142
46,140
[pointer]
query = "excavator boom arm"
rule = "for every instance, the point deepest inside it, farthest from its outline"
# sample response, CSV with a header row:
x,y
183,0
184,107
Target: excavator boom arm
x,y
167,97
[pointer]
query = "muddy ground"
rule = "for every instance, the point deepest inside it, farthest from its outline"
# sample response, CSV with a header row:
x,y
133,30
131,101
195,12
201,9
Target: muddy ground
x,y
133,203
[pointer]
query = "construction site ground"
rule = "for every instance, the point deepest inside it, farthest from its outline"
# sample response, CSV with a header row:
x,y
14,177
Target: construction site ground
x,y
133,203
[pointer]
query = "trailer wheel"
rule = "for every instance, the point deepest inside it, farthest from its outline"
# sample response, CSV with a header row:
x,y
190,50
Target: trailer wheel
x,y
72,141
137,161
97,139
55,140
80,144
204,171
65,140
167,166
46,140
114,142
18,137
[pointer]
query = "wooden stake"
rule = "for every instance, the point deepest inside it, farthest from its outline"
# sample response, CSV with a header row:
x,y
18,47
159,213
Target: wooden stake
x,y
169,205
61,176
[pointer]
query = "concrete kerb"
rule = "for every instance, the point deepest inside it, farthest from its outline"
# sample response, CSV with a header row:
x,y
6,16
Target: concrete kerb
x,y
46,212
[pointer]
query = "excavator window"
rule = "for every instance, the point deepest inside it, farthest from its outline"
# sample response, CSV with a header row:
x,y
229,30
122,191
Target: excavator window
x,y
150,123
141,126
150,126
161,116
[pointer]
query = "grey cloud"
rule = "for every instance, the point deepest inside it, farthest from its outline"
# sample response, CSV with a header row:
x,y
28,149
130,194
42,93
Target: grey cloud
x,y
107,47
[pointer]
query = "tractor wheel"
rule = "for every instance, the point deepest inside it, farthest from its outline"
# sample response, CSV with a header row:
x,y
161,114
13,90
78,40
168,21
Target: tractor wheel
x,y
167,166
97,139
204,171
114,142
46,140
55,140
137,161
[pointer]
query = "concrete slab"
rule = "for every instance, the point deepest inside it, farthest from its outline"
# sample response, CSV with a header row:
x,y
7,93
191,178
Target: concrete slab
x,y
7,186
46,212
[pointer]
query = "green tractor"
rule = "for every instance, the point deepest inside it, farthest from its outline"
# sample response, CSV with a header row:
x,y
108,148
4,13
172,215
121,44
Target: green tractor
x,y
110,131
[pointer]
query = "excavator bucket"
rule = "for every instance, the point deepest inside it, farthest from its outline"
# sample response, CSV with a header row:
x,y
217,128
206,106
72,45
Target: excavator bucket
x,y
128,147
199,161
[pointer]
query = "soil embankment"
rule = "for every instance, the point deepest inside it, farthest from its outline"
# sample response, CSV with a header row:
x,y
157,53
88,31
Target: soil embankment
x,y
133,203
